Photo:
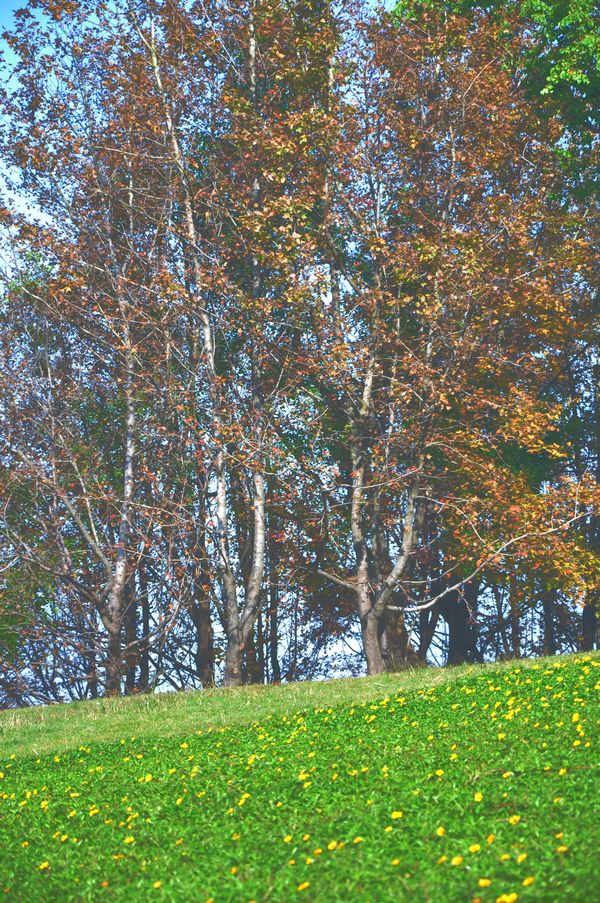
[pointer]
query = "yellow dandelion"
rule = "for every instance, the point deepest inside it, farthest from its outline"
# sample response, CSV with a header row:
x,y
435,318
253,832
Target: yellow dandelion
x,y
514,819
456,860
474,848
478,797
157,884
527,882
304,885
44,865
484,882
440,831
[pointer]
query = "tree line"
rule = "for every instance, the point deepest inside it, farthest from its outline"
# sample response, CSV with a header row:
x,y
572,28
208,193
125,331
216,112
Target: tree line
x,y
299,355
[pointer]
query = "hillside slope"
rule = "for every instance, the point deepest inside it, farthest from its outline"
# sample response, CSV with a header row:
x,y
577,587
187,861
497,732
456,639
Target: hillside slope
x,y
478,787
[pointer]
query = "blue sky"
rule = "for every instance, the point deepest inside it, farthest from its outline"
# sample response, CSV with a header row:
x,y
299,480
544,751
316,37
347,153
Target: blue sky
x,y
6,10
6,19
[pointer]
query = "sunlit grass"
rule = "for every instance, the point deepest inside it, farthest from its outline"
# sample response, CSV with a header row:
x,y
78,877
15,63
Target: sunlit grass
x,y
472,784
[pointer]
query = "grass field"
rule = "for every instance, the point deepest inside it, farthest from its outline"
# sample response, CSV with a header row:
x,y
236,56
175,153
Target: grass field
x,y
469,784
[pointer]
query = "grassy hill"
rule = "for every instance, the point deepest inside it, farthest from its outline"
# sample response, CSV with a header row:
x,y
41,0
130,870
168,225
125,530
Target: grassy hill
x,y
466,784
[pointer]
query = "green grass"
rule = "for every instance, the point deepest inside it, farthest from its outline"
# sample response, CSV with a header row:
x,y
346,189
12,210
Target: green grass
x,y
43,729
411,787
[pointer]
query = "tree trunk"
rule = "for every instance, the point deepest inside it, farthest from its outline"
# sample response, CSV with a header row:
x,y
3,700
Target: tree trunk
x,y
273,611
113,668
252,669
205,650
372,631
92,672
589,624
428,621
459,611
398,652
144,650
233,659
130,636
515,619
548,604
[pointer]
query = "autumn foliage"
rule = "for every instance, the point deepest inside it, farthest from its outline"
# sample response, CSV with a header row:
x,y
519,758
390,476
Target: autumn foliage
x,y
299,351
